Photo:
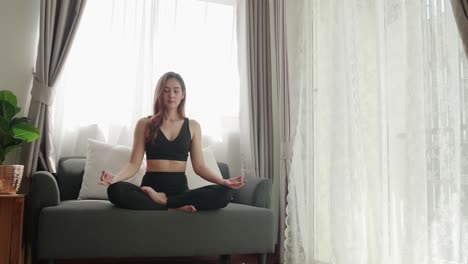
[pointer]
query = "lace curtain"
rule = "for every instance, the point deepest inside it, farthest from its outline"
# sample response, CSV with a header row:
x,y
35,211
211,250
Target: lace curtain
x,y
380,161
120,51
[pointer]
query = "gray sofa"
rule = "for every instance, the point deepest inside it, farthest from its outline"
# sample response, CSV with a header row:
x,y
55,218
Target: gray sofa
x,y
66,228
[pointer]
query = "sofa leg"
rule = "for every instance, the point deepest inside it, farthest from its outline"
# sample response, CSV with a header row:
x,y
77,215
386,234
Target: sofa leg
x,y
261,258
226,259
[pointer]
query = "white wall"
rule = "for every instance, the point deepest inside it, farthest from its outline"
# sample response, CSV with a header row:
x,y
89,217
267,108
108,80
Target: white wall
x,y
19,27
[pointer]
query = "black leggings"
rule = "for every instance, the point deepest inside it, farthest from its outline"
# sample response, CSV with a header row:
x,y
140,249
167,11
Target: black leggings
x,y
174,185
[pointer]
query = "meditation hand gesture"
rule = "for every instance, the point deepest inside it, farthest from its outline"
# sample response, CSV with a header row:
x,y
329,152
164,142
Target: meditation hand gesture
x,y
106,178
235,183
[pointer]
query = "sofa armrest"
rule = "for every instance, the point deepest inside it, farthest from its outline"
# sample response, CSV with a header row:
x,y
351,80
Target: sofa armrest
x,y
44,190
256,192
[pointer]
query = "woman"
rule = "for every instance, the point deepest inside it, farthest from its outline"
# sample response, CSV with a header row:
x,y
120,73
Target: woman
x,y
167,137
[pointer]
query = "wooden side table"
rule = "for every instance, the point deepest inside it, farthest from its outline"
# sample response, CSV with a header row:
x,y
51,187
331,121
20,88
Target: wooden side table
x,y
11,227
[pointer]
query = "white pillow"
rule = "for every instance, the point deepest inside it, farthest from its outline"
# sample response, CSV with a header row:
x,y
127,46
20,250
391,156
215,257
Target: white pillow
x,y
102,156
194,181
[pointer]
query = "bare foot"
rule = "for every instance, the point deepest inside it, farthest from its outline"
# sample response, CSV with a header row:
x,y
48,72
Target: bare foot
x,y
186,208
160,197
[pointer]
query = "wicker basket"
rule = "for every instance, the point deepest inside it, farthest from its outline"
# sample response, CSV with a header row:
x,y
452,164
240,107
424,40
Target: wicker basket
x,y
10,178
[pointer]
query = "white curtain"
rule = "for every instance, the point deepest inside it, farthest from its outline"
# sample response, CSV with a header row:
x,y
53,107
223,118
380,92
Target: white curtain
x,y
379,170
120,51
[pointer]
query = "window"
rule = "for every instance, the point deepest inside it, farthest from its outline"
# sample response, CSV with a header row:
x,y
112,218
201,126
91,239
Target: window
x,y
119,52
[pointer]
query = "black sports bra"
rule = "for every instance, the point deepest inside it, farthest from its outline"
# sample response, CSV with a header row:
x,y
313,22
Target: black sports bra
x,y
177,149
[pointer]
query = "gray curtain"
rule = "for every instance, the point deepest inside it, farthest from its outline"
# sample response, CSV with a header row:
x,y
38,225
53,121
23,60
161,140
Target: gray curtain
x,y
460,10
285,128
260,86
58,22
268,98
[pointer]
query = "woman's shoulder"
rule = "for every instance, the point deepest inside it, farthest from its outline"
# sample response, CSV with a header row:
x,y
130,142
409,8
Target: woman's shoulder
x,y
194,125
145,119
142,121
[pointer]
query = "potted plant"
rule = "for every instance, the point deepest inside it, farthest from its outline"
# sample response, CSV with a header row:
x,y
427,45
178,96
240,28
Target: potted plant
x,y
13,132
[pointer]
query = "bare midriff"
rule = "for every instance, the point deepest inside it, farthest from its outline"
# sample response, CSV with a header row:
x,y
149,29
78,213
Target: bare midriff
x,y
165,165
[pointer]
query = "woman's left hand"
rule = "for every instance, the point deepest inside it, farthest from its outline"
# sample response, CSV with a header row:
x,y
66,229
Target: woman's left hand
x,y
235,183
106,178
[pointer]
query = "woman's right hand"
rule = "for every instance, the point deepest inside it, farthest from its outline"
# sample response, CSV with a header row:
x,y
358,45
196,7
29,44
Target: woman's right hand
x,y
106,178
235,183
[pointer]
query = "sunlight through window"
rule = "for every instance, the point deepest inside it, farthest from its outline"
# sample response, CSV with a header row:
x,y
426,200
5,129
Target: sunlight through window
x,y
123,47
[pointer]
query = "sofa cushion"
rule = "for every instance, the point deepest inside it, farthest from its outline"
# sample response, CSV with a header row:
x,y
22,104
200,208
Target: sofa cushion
x,y
105,157
96,228
193,180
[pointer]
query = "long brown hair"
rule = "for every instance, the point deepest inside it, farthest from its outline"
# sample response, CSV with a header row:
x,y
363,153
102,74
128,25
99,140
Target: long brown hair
x,y
155,122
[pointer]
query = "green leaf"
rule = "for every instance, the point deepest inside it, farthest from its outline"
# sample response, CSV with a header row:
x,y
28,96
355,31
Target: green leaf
x,y
2,155
7,110
8,104
20,120
16,121
6,136
8,96
13,131
4,127
25,131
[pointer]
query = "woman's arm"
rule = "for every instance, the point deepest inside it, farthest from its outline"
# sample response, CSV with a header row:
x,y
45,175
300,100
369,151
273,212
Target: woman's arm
x,y
199,166
196,155
138,151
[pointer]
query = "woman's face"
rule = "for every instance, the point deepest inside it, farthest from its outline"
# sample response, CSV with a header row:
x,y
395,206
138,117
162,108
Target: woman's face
x,y
172,93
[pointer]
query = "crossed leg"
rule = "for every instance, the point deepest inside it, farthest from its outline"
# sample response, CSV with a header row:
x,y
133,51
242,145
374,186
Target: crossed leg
x,y
210,197
161,198
127,195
